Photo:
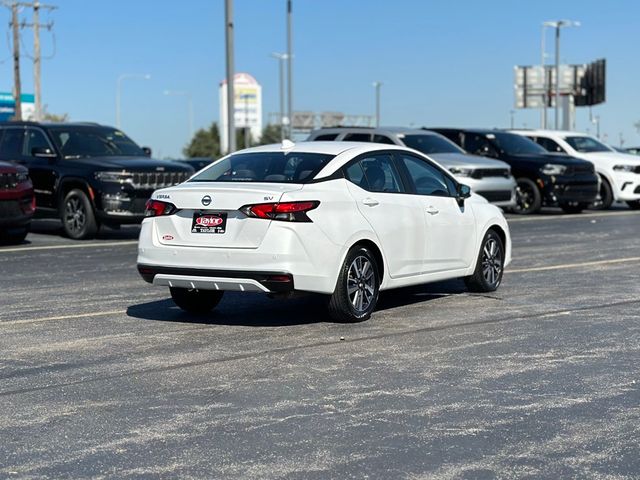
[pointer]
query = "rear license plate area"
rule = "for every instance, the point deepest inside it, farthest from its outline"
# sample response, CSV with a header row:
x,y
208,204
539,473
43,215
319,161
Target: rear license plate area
x,y
209,223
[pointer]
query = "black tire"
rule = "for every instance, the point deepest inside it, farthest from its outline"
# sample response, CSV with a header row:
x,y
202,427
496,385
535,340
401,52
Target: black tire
x,y
78,218
356,293
528,197
489,265
14,238
634,204
605,197
196,301
573,208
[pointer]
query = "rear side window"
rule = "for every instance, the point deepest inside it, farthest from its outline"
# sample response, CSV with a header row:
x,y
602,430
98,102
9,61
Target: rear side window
x,y
12,143
375,173
269,167
357,137
327,137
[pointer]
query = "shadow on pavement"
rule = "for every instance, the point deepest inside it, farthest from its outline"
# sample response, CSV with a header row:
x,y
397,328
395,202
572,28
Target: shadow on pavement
x,y
257,310
54,227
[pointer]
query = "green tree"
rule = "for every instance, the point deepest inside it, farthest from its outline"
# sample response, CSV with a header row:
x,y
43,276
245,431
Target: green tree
x,y
270,134
205,143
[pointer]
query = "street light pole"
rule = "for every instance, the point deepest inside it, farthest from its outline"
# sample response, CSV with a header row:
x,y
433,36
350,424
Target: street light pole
x,y
187,95
231,122
281,57
377,86
144,76
289,72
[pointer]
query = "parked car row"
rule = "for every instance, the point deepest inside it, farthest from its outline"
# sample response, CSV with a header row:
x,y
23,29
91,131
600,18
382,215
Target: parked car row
x,y
86,175
89,175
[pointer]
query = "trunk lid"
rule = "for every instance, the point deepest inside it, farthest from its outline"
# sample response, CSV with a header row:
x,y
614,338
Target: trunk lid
x,y
223,200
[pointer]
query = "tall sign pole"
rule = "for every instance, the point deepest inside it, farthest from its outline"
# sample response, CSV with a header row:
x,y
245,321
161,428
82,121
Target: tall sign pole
x,y
289,72
557,112
17,89
231,126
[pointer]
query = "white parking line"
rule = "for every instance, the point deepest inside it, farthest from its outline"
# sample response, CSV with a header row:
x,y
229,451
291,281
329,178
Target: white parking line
x,y
576,215
62,247
574,265
62,317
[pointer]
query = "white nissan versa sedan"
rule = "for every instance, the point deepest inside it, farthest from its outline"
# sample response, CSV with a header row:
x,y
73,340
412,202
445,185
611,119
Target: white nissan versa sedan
x,y
337,218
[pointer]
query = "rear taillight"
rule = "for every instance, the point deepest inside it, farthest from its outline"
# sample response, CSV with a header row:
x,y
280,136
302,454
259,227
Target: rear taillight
x,y
156,208
285,211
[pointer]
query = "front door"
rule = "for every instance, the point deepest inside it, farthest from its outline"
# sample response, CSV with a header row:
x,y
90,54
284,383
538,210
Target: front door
x,y
450,227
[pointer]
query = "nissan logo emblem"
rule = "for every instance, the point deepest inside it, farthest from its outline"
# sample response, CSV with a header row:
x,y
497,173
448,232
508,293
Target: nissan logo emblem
x,y
206,200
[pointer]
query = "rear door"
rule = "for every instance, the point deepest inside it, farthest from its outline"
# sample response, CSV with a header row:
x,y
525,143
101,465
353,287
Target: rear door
x,y
450,227
394,215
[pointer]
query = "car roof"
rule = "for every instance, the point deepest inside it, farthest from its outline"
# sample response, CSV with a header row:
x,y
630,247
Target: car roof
x,y
329,147
27,123
468,130
375,130
550,133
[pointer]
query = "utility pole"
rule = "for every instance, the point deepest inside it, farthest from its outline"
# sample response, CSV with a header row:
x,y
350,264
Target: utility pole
x,y
289,72
228,28
557,112
17,89
37,57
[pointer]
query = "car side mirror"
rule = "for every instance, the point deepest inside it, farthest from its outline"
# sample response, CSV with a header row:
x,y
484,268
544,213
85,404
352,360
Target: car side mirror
x,y
147,151
43,152
464,192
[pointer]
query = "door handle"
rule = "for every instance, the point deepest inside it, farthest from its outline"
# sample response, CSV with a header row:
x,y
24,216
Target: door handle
x,y
432,210
370,202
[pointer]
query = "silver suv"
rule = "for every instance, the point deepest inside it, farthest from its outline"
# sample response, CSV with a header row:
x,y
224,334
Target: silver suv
x,y
487,177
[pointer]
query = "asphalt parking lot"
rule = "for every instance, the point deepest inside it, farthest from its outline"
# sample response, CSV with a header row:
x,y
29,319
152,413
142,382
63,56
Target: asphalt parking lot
x,y
103,377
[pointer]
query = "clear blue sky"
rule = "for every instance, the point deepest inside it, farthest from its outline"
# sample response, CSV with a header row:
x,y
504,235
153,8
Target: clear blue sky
x,y
441,62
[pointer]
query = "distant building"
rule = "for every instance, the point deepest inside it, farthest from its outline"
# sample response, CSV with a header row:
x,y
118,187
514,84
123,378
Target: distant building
x,y
248,107
8,106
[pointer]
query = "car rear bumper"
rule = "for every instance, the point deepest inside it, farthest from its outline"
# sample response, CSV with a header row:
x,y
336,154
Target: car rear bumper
x,y
312,265
235,280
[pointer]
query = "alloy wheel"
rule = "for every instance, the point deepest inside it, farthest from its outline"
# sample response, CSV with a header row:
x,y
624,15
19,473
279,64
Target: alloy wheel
x,y
524,197
491,262
361,283
75,215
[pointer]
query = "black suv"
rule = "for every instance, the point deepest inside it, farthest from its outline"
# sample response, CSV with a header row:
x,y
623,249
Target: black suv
x,y
543,178
87,174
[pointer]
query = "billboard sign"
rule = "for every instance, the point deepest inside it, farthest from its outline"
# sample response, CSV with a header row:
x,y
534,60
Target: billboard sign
x,y
247,94
8,106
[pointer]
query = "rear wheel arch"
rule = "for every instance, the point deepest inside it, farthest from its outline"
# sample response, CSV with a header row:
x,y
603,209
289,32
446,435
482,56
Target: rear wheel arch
x,y
377,253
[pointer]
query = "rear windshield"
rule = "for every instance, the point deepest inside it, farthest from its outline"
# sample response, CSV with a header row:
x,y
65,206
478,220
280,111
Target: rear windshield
x,y
430,144
269,167
586,144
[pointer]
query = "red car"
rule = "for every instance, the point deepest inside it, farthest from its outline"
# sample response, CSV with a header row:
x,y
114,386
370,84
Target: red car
x,y
17,203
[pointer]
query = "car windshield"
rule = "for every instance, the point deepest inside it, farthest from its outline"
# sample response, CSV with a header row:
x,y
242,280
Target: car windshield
x,y
269,167
586,144
430,144
85,141
513,144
